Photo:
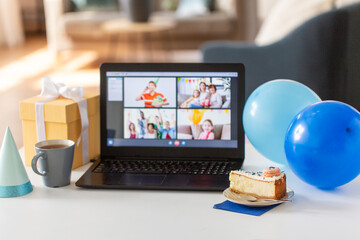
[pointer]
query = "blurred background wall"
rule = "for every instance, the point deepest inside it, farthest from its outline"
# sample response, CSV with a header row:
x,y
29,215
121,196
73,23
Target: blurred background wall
x,y
67,40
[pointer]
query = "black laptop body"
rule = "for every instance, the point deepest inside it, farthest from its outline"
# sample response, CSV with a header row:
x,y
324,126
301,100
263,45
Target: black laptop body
x,y
169,126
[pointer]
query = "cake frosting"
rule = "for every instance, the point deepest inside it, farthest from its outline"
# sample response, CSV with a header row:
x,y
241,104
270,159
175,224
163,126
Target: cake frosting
x,y
258,175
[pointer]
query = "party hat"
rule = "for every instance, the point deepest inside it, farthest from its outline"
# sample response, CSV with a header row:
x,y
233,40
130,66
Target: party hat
x,y
156,81
14,180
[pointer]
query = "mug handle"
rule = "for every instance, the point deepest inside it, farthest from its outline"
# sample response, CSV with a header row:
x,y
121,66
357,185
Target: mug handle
x,y
34,163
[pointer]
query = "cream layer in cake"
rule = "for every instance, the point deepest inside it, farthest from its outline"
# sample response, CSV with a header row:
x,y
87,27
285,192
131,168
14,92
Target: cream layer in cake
x,y
255,184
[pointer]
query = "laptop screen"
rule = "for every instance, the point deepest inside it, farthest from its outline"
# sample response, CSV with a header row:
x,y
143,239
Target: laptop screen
x,y
172,109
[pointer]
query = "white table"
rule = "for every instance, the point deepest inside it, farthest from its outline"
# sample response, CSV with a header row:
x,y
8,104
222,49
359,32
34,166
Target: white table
x,y
75,213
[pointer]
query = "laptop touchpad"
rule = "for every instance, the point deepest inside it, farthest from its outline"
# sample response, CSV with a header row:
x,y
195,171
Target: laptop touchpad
x,y
136,180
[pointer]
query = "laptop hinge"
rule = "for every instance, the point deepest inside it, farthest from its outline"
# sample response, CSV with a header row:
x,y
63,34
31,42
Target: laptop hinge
x,y
171,158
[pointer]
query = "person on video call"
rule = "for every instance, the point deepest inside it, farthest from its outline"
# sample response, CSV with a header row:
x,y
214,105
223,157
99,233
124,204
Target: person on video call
x,y
132,130
193,101
215,98
152,98
158,125
207,130
142,122
203,93
150,131
167,132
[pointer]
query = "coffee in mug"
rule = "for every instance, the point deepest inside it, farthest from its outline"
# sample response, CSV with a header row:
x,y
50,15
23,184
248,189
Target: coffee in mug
x,y
55,159
54,146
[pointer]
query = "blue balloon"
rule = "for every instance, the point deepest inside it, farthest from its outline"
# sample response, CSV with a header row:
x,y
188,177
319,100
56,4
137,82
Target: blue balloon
x,y
269,111
322,144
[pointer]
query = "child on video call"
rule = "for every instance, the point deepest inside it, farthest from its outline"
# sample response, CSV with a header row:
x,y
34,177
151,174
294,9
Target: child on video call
x,y
151,132
132,130
167,132
158,125
142,122
207,130
193,101
151,98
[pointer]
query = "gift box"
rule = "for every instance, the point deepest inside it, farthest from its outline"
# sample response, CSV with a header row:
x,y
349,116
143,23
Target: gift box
x,y
62,120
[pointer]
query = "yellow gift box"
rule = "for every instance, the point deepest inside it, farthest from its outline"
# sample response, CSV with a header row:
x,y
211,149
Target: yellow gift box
x,y
62,121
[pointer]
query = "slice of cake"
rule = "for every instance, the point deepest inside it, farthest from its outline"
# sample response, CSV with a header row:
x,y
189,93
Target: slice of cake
x,y
270,183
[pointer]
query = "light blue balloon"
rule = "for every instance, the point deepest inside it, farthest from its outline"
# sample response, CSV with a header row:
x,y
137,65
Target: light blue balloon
x,y
269,111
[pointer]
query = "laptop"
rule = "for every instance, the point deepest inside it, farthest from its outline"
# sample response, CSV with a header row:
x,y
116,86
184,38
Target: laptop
x,y
169,126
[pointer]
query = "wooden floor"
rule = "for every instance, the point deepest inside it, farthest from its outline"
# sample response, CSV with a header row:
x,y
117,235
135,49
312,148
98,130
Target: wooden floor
x,y
22,68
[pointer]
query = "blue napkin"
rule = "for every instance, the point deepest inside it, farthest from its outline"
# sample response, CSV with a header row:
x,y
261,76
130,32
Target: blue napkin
x,y
234,207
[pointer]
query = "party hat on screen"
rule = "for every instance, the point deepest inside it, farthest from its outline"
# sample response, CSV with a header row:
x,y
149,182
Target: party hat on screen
x,y
157,80
14,180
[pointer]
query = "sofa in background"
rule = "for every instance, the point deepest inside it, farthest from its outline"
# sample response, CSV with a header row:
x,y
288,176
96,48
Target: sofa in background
x,y
221,132
70,29
322,53
183,97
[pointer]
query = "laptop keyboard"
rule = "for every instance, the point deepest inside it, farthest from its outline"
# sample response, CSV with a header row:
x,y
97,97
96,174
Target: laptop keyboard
x,y
164,167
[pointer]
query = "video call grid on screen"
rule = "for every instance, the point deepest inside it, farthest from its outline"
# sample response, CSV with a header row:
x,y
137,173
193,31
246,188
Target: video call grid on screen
x,y
172,109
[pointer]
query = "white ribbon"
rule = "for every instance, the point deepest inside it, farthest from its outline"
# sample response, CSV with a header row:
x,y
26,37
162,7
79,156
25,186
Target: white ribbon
x,y
52,91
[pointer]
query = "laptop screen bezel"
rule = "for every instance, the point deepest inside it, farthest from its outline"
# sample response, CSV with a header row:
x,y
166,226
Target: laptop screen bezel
x,y
179,152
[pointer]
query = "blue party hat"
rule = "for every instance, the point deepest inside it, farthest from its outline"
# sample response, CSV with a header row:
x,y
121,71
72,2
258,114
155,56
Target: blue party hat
x,y
14,180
